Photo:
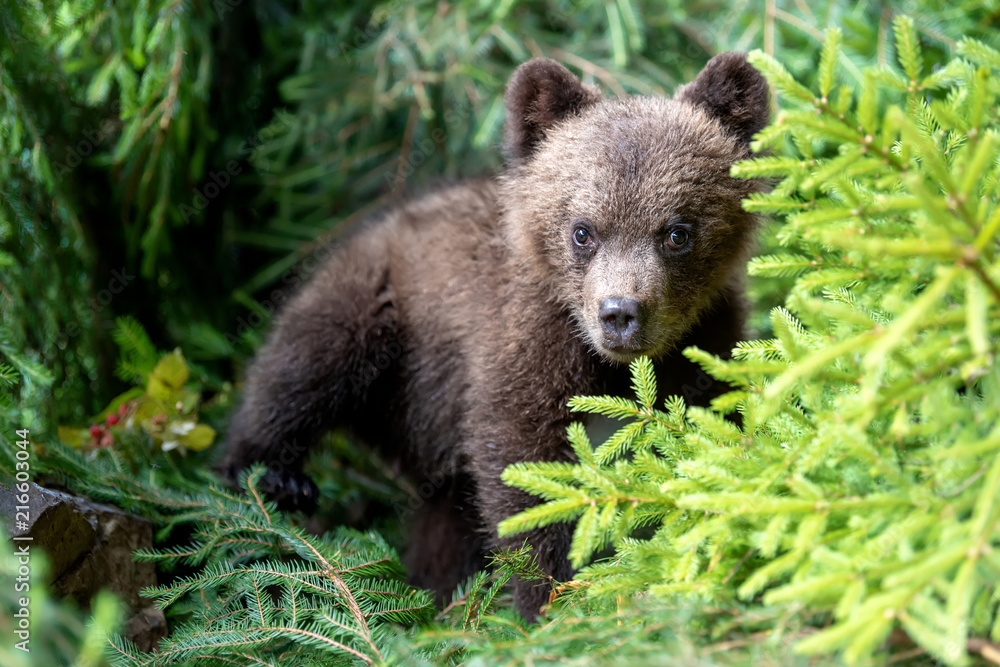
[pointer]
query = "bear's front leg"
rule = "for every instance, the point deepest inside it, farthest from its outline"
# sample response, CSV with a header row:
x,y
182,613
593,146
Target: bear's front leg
x,y
506,441
310,375
518,411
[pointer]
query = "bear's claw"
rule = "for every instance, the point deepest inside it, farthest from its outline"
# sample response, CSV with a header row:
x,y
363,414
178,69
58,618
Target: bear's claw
x,y
290,490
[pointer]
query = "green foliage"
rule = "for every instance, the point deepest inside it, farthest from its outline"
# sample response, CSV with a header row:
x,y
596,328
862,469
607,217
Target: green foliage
x,y
65,138
639,632
137,354
856,496
861,489
266,592
182,162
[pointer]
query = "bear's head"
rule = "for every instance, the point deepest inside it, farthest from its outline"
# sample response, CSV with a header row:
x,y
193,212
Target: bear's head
x,y
625,207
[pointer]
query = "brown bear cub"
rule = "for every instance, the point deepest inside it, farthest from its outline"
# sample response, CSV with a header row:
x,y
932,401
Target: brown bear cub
x,y
616,231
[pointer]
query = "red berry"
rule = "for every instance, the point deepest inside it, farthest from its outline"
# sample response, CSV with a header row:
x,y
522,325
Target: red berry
x,y
112,419
122,409
96,431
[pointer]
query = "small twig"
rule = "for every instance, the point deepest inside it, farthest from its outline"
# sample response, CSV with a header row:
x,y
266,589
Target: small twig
x,y
590,68
451,605
404,154
757,638
989,650
977,267
793,20
252,485
738,566
175,83
883,37
805,10
966,484
905,655
769,27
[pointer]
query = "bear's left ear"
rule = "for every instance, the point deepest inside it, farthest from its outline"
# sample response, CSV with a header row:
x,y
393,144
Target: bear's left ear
x,y
732,92
541,92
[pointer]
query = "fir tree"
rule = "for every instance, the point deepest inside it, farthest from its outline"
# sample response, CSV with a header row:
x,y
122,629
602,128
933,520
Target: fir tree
x,y
861,490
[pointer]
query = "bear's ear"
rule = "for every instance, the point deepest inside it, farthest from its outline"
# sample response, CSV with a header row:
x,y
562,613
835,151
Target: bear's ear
x,y
732,92
541,92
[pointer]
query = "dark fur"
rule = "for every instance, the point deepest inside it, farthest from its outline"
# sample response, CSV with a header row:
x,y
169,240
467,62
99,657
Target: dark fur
x,y
491,307
540,94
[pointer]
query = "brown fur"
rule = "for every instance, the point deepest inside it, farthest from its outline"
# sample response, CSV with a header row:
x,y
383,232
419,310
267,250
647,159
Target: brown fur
x,y
497,315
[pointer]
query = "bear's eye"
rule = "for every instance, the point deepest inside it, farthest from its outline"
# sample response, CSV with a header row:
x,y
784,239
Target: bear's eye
x,y
582,236
678,238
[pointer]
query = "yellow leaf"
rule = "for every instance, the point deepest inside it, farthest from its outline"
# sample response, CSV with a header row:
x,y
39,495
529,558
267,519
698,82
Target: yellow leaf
x,y
146,409
171,371
188,401
158,389
75,437
198,438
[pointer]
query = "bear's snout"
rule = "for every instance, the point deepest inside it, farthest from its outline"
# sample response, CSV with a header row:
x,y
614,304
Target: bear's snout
x,y
622,320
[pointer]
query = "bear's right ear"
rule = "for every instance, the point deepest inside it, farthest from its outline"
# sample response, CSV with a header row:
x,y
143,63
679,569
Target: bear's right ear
x,y
732,92
541,92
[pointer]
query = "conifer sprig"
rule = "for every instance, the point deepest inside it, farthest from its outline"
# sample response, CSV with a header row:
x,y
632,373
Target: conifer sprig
x,y
334,597
860,491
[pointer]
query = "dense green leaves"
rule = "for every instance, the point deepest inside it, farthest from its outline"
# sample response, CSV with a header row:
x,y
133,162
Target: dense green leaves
x,y
858,494
204,150
333,604
861,490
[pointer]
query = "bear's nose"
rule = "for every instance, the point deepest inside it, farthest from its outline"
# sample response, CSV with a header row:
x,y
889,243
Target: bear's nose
x,y
622,319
